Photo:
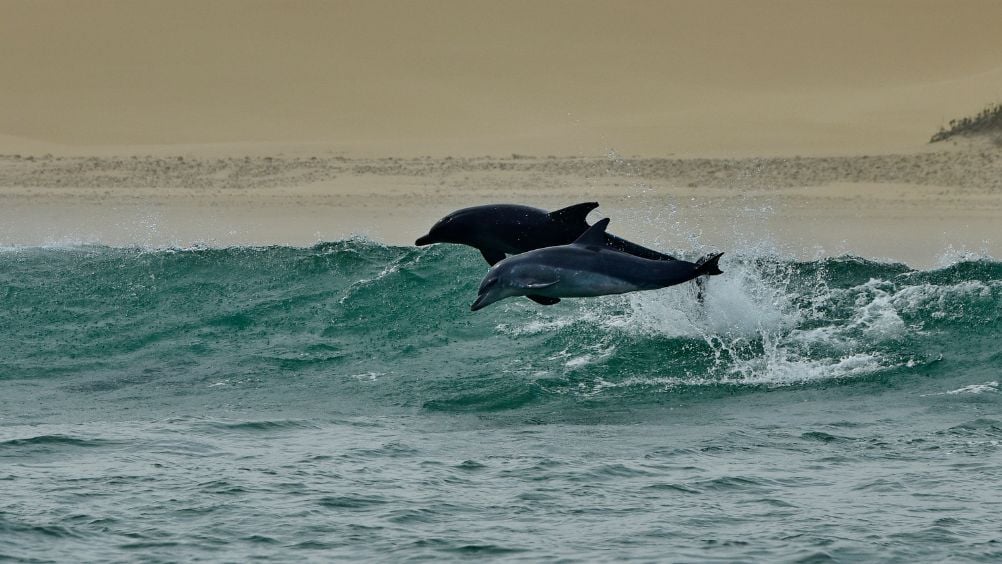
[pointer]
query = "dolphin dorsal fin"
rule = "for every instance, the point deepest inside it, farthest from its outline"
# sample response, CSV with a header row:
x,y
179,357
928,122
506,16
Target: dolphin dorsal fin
x,y
595,236
575,214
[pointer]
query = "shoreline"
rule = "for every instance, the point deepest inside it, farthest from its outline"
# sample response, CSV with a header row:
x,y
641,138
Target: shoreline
x,y
911,207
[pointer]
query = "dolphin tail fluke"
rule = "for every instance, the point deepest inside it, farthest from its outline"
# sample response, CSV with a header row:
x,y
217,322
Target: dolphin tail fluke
x,y
707,266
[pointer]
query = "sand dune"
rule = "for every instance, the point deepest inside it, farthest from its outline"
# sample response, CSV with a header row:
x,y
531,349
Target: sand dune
x,y
467,78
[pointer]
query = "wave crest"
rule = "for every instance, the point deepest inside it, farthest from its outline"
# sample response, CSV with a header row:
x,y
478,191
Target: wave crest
x,y
312,320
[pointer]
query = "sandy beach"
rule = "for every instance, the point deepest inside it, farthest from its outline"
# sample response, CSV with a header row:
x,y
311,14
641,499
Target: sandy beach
x,y
921,208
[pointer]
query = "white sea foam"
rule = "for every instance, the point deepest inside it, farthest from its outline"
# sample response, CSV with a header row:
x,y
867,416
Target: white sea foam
x,y
987,387
369,376
773,370
940,300
875,315
953,255
742,304
764,323
596,353
992,386
391,268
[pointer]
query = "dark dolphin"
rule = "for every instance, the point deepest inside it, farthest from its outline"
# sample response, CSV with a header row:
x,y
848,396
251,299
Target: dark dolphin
x,y
585,268
506,229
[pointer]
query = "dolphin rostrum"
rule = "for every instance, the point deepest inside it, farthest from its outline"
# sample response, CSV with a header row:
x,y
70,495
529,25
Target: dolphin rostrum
x,y
586,267
500,229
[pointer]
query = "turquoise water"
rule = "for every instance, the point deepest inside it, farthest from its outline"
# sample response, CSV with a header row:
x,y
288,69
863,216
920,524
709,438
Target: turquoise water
x,y
342,401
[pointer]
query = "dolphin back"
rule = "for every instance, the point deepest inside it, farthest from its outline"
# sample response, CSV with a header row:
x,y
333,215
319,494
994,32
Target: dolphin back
x,y
624,246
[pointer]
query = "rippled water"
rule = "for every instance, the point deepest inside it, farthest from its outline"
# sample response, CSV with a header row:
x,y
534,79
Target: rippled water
x,y
342,402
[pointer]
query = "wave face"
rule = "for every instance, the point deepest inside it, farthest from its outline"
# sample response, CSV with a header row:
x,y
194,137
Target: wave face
x,y
391,326
342,401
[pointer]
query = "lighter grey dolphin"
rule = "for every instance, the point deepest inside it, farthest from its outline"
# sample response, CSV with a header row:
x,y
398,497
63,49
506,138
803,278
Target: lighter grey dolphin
x,y
585,268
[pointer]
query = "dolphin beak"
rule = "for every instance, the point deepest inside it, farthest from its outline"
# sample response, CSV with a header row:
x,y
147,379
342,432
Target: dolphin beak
x,y
424,240
481,302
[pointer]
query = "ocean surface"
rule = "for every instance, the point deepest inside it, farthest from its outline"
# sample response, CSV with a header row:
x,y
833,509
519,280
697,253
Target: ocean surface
x,y
342,402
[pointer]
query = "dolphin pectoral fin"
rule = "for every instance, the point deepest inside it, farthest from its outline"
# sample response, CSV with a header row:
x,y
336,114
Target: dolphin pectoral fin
x,y
544,300
595,236
492,257
575,214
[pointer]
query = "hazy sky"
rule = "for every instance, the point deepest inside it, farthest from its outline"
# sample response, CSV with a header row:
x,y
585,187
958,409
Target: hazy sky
x,y
547,76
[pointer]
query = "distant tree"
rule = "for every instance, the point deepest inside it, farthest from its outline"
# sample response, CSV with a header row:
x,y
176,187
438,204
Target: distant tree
x,y
987,122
